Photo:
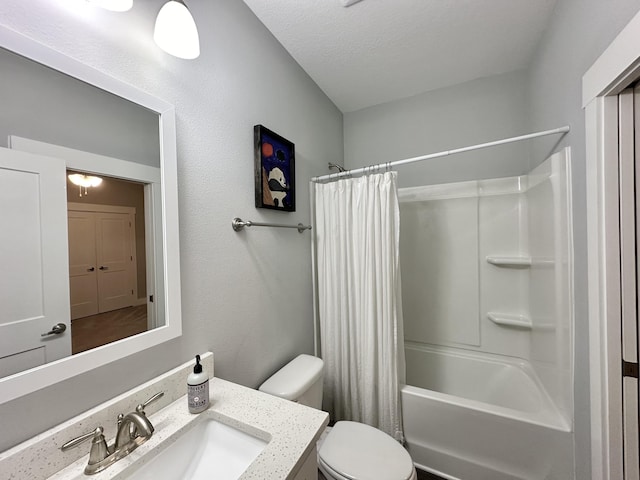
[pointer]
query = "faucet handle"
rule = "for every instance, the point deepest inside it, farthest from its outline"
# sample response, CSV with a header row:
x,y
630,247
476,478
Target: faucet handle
x,y
140,408
95,434
99,450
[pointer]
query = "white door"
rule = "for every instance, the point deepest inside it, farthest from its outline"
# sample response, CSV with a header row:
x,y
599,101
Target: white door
x,y
82,264
34,288
115,249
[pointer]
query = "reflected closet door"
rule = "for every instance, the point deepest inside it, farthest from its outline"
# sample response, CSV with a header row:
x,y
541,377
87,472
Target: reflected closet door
x,y
115,246
82,264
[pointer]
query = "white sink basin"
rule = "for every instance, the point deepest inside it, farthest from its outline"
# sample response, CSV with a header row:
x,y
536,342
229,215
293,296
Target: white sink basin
x,y
209,450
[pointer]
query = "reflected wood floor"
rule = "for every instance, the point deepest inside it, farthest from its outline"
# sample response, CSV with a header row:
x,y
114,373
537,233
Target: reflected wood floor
x,y
96,330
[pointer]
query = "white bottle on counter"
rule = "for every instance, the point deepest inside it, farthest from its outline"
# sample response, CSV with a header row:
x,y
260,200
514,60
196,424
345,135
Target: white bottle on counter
x,y
198,389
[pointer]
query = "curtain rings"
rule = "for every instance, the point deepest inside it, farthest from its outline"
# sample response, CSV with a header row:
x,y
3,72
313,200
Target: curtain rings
x,y
375,168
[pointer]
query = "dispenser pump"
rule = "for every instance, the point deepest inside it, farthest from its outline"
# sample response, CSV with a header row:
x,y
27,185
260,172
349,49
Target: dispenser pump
x,y
198,366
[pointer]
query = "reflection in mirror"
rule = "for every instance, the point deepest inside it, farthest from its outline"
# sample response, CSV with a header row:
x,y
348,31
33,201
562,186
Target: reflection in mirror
x,y
82,121
112,291
44,104
107,261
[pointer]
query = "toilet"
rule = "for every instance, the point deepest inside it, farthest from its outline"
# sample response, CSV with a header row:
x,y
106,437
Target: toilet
x,y
350,450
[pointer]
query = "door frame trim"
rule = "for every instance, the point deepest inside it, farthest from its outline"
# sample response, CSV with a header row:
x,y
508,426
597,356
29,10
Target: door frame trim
x,y
95,207
613,71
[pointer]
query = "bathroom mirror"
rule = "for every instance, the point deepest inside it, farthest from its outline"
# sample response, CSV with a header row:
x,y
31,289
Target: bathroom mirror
x,y
155,175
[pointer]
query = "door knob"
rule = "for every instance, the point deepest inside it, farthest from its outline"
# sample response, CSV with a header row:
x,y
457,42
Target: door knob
x,y
57,329
91,269
104,268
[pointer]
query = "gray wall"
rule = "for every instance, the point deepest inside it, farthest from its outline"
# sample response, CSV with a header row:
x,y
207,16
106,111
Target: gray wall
x,y
245,296
579,32
43,104
474,112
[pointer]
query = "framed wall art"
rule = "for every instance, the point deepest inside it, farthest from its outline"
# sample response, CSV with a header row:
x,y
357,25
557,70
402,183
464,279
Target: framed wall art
x,y
274,170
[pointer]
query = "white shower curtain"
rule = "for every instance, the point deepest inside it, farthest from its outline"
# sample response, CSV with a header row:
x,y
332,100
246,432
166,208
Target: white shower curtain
x,y
359,299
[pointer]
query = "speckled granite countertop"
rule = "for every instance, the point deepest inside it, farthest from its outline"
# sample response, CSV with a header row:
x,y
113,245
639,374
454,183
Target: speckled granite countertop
x,y
290,429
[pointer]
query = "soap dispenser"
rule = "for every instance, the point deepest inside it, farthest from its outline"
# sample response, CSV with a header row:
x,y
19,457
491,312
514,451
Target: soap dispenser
x,y
198,389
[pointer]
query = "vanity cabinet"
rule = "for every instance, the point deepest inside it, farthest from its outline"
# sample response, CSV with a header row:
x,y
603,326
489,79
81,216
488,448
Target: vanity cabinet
x,y
309,469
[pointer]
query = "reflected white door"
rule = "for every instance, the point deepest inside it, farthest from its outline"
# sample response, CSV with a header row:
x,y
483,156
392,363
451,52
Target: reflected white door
x,y
82,264
34,290
115,253
102,266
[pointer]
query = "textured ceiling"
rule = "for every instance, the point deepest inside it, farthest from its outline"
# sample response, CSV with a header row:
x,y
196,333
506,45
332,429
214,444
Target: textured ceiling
x,y
376,51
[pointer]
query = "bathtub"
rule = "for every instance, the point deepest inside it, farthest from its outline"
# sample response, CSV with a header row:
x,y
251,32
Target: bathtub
x,y
473,416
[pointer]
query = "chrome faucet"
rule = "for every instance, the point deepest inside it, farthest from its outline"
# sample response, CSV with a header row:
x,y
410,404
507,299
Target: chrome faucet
x,y
133,430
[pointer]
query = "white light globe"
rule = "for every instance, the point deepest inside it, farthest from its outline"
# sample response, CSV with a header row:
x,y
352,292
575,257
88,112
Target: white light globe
x,y
176,31
113,5
85,180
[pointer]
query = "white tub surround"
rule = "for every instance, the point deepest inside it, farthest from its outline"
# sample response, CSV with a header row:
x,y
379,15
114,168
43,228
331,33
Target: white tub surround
x,y
488,309
291,431
486,266
482,416
499,385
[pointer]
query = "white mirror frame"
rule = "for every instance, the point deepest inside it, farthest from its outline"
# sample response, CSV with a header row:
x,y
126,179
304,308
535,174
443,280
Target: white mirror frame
x,y
29,381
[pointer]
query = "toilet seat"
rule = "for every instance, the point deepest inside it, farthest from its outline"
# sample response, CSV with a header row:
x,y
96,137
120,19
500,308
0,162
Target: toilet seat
x,y
355,451
328,472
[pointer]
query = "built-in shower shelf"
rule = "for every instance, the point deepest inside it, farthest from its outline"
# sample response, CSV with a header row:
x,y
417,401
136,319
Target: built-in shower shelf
x,y
510,261
510,320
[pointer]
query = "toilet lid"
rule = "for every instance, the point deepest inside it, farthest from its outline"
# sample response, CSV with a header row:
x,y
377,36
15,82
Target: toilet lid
x,y
360,452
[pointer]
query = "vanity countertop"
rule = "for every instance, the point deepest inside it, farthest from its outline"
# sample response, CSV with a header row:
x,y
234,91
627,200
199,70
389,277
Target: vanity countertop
x,y
291,430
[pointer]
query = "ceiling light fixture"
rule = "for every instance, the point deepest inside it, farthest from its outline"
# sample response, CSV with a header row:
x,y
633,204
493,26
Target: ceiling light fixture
x,y
84,181
176,31
113,5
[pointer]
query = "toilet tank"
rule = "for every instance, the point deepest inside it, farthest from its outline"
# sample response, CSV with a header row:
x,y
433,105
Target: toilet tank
x,y
300,380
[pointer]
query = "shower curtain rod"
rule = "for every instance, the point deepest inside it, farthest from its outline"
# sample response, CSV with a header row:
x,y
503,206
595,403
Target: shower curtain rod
x,y
389,165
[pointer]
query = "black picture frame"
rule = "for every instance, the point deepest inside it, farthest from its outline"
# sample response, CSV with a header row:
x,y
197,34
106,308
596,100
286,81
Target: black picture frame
x,y
274,170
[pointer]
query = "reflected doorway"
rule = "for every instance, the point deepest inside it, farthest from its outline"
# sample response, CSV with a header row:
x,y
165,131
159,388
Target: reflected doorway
x,y
107,257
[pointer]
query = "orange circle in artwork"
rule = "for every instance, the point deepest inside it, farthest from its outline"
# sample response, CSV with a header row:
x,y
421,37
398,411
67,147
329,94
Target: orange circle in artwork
x,y
267,149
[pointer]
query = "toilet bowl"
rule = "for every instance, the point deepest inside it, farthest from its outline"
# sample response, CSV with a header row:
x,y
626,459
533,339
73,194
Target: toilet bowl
x,y
350,450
